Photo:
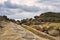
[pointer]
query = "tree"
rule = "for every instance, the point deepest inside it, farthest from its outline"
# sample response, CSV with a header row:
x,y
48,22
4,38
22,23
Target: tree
x,y
36,17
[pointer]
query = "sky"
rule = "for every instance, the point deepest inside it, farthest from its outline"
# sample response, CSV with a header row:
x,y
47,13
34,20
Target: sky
x,y
22,9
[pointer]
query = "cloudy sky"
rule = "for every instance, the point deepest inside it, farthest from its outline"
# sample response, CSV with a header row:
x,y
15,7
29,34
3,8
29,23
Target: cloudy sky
x,y
20,9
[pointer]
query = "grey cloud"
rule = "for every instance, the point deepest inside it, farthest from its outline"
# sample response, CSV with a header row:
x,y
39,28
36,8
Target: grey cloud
x,y
54,3
6,11
30,9
6,8
21,7
48,0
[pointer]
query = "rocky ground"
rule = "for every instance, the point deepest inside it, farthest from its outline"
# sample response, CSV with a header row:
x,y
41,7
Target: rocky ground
x,y
11,31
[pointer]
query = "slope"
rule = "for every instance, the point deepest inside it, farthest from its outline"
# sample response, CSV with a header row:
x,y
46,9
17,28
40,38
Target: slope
x,y
12,31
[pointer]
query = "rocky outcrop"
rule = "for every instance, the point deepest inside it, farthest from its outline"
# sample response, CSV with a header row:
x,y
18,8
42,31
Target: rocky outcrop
x,y
12,31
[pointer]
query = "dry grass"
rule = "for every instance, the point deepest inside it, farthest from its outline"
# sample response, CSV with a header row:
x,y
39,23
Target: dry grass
x,y
52,24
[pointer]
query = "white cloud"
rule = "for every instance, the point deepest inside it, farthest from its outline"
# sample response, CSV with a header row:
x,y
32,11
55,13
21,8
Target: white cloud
x,y
23,15
2,1
23,2
19,9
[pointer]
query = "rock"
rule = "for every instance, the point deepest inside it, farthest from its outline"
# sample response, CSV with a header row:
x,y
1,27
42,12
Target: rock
x,y
46,29
53,32
38,27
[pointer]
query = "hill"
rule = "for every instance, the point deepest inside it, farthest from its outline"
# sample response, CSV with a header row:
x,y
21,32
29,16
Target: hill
x,y
44,17
50,16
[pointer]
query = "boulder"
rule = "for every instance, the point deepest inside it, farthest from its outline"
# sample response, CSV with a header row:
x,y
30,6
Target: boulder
x,y
53,32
